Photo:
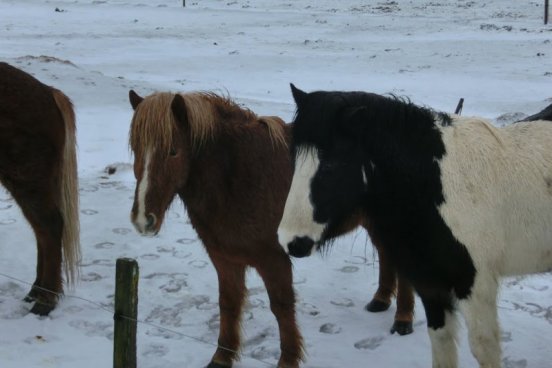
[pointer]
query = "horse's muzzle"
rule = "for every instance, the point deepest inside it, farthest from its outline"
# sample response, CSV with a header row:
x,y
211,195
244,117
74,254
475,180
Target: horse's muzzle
x,y
300,247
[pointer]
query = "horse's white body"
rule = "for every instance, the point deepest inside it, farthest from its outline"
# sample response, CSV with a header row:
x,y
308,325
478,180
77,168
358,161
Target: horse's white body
x,y
497,185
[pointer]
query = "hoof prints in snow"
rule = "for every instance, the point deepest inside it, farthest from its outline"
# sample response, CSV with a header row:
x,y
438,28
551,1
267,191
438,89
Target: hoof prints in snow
x,y
371,343
330,328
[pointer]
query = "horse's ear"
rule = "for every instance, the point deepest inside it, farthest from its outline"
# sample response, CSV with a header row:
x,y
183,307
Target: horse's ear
x,y
178,107
134,99
298,95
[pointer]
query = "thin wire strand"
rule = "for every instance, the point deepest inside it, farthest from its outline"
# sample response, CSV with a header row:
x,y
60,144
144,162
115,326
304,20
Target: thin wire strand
x,y
112,312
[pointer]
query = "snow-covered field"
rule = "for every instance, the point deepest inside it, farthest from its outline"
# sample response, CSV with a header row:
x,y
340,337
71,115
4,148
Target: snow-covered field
x,y
495,54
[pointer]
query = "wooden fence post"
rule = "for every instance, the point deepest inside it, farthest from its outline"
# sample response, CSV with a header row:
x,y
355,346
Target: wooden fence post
x,y
546,4
126,313
459,107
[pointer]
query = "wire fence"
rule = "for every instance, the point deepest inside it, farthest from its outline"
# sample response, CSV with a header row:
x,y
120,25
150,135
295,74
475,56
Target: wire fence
x,y
138,321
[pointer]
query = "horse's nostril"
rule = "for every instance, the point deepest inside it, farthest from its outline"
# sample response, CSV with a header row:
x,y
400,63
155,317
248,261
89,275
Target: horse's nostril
x,y
300,246
150,220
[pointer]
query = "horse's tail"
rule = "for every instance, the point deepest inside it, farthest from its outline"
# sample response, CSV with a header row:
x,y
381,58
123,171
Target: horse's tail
x,y
69,199
276,128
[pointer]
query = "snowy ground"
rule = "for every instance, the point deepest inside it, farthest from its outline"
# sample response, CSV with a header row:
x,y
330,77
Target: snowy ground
x,y
495,54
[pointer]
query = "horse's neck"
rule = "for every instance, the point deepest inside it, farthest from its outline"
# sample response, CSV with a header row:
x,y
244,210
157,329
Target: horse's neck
x,y
405,143
403,157
243,167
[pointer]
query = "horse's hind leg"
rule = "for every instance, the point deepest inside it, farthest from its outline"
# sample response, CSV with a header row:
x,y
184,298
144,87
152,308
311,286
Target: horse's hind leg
x,y
231,278
405,308
387,283
275,270
481,317
38,206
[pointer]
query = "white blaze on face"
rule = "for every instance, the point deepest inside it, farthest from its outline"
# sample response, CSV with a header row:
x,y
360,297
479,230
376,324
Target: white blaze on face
x,y
141,220
297,220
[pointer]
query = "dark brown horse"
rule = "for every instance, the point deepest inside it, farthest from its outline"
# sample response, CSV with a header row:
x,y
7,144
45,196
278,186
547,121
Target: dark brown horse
x,y
232,170
38,167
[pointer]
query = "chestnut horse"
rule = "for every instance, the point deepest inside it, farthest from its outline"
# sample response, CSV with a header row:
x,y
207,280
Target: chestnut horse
x,y
232,170
38,167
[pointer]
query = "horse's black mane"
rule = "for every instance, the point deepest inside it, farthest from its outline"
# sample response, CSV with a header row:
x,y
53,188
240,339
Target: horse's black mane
x,y
388,106
327,112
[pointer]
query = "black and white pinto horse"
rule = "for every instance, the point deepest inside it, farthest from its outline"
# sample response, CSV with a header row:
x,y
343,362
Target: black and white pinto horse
x,y
457,202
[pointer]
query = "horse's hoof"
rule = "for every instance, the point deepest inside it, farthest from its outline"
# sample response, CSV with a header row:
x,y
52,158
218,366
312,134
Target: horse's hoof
x,y
29,298
402,328
41,309
377,306
218,365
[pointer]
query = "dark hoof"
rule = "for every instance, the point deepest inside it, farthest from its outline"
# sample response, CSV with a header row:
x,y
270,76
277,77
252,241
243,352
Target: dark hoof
x,y
402,328
377,306
218,365
29,298
41,309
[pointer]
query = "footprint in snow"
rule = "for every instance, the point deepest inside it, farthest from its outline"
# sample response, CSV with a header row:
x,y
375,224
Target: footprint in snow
x,y
198,263
8,221
330,328
99,262
186,241
91,329
89,212
505,336
343,302
348,269
370,343
89,188
122,230
150,257
260,337
155,351
509,363
91,276
173,286
309,309
265,353
104,245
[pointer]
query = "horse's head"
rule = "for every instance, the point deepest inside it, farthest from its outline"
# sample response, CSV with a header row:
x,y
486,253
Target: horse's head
x,y
160,143
329,180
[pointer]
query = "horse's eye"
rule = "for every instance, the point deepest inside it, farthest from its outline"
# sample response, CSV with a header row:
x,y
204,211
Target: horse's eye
x,y
172,152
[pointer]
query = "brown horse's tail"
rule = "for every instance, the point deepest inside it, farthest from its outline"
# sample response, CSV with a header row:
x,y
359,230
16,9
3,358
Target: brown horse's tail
x,y
69,199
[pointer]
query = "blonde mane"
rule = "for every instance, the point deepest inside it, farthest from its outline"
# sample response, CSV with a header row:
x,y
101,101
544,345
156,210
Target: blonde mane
x,y
153,122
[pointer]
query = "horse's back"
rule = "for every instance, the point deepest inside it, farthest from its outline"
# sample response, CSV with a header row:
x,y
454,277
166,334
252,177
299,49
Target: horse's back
x,y
27,103
32,129
497,184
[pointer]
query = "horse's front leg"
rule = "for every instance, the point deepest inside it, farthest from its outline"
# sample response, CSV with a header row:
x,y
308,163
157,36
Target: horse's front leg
x,y
231,278
275,270
481,317
442,326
